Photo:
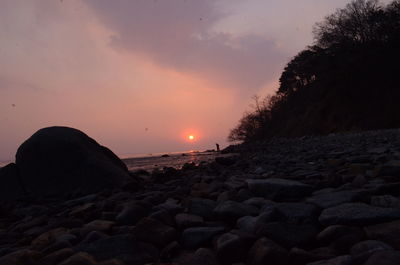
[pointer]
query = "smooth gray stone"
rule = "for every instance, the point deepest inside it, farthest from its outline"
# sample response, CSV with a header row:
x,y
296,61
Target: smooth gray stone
x,y
357,214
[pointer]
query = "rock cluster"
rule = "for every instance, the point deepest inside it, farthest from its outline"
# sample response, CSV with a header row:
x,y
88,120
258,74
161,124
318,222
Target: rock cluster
x,y
314,200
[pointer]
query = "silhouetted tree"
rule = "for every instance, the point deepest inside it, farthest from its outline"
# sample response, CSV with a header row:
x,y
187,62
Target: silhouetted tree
x,y
356,24
346,81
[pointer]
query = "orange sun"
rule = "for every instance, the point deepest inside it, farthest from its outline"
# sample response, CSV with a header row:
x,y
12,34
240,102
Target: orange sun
x,y
191,137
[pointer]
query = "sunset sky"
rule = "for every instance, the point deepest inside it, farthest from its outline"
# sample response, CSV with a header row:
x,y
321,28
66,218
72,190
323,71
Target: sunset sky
x,y
140,76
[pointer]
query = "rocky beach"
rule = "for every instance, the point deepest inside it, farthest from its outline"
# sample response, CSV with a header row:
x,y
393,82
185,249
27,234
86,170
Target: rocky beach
x,y
330,200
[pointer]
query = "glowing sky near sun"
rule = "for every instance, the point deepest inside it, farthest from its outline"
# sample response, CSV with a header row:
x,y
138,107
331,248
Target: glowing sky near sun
x,y
140,76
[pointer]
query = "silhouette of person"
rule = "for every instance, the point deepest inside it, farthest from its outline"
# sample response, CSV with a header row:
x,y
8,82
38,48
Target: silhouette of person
x,y
217,147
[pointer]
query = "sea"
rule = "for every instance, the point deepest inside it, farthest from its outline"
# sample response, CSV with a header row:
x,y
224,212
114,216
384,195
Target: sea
x,y
150,162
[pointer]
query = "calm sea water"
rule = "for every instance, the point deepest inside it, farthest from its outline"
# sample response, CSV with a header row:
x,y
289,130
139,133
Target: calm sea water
x,y
176,160
152,161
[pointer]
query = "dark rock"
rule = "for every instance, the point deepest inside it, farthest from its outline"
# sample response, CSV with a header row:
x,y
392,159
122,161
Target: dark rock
x,y
265,251
232,248
363,250
250,224
195,237
326,200
7,249
171,207
112,262
56,257
226,196
11,187
335,232
124,247
359,181
152,231
8,237
391,188
118,230
97,225
391,168
31,210
47,238
20,257
256,201
184,220
297,213
202,256
388,257
357,214
83,211
109,216
231,210
343,244
299,256
68,238
164,217
202,207
244,194
57,245
65,222
30,223
169,251
247,224
278,189
82,200
59,161
388,201
386,232
93,236
80,258
132,212
358,168
341,260
288,235
226,161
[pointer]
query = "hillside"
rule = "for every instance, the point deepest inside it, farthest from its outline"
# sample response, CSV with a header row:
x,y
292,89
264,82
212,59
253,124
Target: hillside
x,y
346,81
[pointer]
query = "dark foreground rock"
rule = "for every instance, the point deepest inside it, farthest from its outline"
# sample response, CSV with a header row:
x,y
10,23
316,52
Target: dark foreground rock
x,y
63,161
11,187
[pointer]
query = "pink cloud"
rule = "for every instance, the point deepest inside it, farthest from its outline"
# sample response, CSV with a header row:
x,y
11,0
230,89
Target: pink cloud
x,y
179,34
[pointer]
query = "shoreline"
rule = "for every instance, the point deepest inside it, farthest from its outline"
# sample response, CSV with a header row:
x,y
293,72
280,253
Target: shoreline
x,y
126,157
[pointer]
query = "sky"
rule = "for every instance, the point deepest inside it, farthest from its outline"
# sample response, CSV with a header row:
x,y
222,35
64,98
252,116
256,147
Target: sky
x,y
140,76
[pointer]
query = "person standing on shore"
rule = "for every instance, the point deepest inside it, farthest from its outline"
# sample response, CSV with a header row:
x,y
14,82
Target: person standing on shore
x,y
217,147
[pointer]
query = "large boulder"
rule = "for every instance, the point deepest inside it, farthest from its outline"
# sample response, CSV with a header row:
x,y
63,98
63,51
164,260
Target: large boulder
x,y
63,161
10,188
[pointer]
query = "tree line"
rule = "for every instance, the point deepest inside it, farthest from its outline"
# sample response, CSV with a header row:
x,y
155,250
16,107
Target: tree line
x,y
347,80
